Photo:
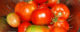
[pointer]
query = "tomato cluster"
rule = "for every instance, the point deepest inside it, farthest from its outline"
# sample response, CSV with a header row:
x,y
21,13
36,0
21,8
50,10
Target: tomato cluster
x,y
40,16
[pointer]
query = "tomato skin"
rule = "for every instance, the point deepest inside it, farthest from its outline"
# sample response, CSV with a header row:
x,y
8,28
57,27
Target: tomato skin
x,y
23,26
33,3
19,6
52,3
63,24
43,5
41,16
58,29
59,23
36,28
61,11
13,20
40,1
26,11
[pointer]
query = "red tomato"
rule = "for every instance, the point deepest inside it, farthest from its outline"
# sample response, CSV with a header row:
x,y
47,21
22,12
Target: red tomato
x,y
26,11
19,6
41,16
23,27
51,25
43,5
52,3
63,24
40,1
58,29
61,10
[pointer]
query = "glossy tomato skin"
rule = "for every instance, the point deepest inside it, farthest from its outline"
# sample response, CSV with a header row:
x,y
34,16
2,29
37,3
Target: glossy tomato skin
x,y
26,11
52,3
61,11
41,16
58,29
13,20
40,1
43,5
36,28
19,6
63,24
23,26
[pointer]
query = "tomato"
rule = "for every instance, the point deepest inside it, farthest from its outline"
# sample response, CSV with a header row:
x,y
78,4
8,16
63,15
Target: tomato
x,y
43,5
40,1
35,28
59,23
26,11
13,20
61,11
58,29
41,16
19,6
63,24
52,3
23,26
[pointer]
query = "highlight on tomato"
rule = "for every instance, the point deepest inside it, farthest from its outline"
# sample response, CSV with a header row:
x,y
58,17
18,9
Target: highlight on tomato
x,y
25,10
42,16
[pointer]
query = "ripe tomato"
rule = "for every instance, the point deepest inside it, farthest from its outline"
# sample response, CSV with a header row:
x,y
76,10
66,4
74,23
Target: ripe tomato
x,y
19,6
61,10
40,1
23,27
26,11
52,3
58,29
35,28
41,16
63,24
13,20
43,5
54,20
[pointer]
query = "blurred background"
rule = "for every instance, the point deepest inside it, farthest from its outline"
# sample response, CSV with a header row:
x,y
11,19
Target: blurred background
x,y
7,6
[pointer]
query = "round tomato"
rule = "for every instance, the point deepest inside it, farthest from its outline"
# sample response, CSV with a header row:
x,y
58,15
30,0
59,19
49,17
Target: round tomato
x,y
35,28
13,20
52,3
61,11
58,29
23,27
19,6
63,24
26,11
40,1
41,16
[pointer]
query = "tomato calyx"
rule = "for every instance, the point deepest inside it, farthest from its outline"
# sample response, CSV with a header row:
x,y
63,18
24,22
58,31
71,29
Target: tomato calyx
x,y
54,19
